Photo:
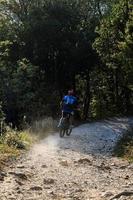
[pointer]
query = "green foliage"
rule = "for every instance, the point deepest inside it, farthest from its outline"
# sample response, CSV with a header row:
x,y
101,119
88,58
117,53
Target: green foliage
x,y
45,45
126,49
116,54
44,34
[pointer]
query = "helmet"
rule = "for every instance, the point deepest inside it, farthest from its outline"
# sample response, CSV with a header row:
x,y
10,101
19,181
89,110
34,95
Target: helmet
x,y
71,92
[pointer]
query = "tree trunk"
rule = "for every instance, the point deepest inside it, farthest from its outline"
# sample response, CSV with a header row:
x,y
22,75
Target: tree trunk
x,y
86,98
116,82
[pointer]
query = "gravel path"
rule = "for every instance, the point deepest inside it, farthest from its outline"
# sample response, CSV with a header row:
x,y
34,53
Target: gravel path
x,y
79,167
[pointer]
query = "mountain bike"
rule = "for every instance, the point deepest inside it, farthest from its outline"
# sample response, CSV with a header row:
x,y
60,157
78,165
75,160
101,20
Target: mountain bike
x,y
65,126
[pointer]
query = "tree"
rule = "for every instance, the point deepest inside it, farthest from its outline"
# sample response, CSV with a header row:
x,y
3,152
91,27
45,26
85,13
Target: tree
x,y
108,44
46,48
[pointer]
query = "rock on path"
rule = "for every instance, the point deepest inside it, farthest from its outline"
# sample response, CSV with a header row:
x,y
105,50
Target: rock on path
x,y
79,167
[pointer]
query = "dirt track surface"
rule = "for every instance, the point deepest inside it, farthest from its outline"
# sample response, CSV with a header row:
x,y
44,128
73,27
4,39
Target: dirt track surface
x,y
79,167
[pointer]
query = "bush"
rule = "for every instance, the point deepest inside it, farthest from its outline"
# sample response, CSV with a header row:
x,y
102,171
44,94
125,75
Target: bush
x,y
124,147
16,139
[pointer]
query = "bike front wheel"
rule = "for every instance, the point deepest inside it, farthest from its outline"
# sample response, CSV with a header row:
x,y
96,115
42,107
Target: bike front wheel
x,y
62,132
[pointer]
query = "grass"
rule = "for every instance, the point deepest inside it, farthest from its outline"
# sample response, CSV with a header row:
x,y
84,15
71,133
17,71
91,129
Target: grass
x,y
43,127
13,143
124,147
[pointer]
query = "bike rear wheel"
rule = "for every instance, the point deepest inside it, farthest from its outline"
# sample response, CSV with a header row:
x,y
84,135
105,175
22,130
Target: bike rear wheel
x,y
68,131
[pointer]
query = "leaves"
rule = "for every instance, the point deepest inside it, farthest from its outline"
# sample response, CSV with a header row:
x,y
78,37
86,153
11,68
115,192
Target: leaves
x,y
114,47
45,45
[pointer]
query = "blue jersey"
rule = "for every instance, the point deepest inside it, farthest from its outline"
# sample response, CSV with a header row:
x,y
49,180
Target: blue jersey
x,y
69,103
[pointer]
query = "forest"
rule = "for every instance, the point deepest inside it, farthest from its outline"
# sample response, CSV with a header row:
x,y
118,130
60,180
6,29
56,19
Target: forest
x,y
50,46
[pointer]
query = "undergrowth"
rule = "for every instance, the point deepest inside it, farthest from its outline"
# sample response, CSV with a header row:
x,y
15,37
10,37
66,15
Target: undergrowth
x,y
13,143
124,147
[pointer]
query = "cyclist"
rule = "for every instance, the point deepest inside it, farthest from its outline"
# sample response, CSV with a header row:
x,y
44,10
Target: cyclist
x,y
68,104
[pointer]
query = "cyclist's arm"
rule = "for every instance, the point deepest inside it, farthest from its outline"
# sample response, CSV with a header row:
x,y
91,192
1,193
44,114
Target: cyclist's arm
x,y
62,102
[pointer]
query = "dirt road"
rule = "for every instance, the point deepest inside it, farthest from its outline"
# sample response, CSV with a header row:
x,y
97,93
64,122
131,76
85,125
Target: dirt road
x,y
79,167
